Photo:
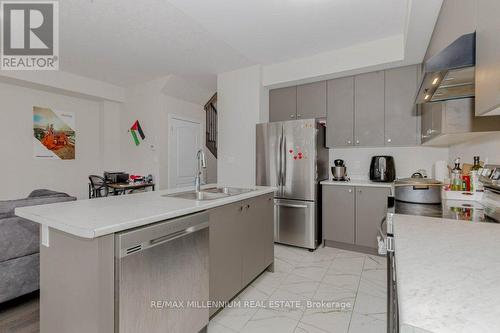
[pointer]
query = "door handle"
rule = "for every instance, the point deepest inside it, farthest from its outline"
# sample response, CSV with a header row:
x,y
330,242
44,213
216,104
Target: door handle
x,y
291,205
280,162
177,234
284,161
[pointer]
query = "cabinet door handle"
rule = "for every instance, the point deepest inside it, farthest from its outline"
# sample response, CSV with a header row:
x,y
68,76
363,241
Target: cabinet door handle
x,y
357,142
348,142
299,115
350,190
389,140
292,116
247,206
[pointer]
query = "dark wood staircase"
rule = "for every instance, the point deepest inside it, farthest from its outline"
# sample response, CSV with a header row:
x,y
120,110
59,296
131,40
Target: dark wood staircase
x,y
211,124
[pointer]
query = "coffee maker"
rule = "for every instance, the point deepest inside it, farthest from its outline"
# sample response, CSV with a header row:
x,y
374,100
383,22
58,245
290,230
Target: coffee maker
x,y
339,171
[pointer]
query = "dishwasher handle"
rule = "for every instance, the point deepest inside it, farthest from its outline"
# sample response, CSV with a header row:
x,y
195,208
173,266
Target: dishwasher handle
x,y
177,234
139,239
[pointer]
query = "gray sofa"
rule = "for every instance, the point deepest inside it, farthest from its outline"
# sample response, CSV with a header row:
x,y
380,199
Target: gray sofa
x,y
19,245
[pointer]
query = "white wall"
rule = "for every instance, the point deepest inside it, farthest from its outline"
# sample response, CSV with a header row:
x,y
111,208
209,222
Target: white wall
x,y
150,104
407,159
21,173
487,148
239,103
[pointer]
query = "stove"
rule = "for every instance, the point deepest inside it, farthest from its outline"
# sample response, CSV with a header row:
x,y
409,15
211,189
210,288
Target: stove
x,y
485,211
472,211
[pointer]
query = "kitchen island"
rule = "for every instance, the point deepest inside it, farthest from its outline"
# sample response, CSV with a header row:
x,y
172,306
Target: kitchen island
x,y
106,266
447,275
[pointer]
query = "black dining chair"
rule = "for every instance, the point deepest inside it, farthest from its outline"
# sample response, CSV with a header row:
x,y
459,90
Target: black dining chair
x,y
98,187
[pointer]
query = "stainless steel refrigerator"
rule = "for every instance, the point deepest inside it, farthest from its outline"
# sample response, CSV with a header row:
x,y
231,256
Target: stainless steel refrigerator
x,y
291,156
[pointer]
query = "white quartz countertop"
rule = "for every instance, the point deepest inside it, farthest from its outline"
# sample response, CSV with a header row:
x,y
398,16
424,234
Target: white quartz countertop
x,y
356,182
448,275
99,217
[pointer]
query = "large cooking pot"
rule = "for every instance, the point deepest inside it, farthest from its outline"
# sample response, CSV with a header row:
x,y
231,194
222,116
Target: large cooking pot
x,y
418,189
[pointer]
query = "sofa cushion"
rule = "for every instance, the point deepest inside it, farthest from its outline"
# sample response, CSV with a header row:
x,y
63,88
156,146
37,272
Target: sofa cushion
x,y
46,193
18,237
7,207
19,276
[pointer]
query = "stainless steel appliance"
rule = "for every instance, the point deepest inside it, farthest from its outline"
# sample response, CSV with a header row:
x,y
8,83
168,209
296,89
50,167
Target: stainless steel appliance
x,y
450,73
339,170
418,189
166,261
291,156
485,211
382,169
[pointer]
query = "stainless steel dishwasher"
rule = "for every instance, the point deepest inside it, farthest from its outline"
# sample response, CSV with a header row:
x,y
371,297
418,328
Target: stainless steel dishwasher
x,y
159,269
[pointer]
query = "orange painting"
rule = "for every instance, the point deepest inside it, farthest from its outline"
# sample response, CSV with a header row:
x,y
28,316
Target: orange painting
x,y
54,134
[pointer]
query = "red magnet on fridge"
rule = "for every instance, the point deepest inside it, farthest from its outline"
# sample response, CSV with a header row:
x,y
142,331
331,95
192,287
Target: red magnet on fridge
x,y
291,151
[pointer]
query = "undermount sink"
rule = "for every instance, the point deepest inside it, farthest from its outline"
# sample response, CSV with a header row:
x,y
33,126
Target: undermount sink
x,y
227,190
210,193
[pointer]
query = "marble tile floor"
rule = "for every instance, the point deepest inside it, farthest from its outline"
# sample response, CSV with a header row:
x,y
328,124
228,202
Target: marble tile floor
x,y
348,291
353,280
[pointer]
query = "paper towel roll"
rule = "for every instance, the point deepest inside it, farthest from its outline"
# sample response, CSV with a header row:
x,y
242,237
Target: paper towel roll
x,y
441,170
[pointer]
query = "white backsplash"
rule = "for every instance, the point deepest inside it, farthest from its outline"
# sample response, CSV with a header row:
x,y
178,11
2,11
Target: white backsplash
x,y
407,159
487,148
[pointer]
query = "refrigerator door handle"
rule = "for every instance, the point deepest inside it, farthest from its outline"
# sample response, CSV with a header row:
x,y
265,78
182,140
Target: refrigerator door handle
x,y
280,162
283,182
291,205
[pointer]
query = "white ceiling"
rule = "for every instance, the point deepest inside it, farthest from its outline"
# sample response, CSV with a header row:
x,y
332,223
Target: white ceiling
x,y
269,31
128,41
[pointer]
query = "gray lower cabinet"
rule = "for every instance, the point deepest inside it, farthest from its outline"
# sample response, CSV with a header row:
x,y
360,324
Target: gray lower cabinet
x,y
283,104
352,215
371,207
225,234
369,109
257,240
487,57
340,115
338,213
241,245
311,100
401,118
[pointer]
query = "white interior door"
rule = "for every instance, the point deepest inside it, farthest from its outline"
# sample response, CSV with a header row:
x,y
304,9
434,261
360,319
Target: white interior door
x,y
184,142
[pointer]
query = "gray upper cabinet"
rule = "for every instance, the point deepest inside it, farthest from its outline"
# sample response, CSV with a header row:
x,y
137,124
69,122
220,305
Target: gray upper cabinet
x,y
401,118
311,100
283,104
338,214
371,207
340,115
487,57
369,108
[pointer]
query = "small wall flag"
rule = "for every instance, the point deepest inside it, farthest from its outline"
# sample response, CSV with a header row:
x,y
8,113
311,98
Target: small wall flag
x,y
137,129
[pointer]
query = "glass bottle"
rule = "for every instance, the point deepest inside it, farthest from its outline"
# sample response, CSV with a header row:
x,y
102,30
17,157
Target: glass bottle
x,y
456,176
477,164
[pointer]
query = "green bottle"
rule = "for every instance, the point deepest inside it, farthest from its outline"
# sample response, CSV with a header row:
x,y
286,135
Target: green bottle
x,y
456,176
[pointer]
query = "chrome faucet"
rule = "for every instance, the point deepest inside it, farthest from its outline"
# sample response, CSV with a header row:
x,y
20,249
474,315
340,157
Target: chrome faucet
x,y
202,163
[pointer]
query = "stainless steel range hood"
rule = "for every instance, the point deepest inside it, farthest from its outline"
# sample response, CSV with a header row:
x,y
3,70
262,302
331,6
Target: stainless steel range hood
x,y
450,74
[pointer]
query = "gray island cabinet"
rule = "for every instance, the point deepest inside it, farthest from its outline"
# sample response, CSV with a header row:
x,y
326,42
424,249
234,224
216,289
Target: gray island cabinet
x,y
241,245
148,263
